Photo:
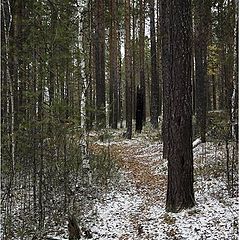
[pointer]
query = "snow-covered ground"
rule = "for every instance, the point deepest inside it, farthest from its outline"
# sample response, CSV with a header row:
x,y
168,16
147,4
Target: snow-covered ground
x,y
131,214
134,208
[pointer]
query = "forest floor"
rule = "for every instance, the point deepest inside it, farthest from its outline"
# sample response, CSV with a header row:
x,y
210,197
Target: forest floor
x,y
134,208
129,202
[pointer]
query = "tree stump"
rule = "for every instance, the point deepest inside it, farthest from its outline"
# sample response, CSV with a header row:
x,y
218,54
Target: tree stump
x,y
73,228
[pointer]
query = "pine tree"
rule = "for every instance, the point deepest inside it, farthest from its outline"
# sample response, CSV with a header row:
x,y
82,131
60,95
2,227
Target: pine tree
x,y
113,91
180,193
202,18
128,79
154,77
99,18
142,55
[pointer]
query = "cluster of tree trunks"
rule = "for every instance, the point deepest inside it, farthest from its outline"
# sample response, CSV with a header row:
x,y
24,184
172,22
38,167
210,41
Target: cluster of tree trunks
x,y
54,80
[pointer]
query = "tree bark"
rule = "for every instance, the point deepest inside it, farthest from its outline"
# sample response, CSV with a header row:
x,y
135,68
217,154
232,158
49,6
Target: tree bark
x,y
165,54
139,110
154,77
128,71
180,193
142,55
202,18
159,56
7,25
100,63
113,93
120,97
134,101
52,64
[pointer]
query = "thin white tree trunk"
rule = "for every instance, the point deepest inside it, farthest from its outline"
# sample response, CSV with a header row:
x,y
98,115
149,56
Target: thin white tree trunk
x,y
9,80
82,65
233,112
85,84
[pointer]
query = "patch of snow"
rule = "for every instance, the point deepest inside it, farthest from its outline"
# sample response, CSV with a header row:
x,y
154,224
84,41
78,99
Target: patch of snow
x,y
196,142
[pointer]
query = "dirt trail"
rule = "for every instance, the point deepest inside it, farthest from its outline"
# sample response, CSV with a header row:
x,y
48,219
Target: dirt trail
x,y
140,161
136,210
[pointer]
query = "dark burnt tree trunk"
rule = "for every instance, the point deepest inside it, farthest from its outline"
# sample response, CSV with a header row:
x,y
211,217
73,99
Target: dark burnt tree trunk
x,y
154,76
128,71
202,12
139,110
180,194
100,63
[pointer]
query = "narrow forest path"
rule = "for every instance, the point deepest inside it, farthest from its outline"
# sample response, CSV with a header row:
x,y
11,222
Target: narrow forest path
x,y
144,173
135,208
141,163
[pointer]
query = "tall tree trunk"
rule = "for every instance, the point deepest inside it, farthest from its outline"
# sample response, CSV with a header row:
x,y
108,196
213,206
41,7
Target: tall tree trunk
x,y
165,39
180,193
82,66
154,76
159,56
52,65
193,76
225,34
202,15
90,103
10,108
128,71
100,63
120,97
113,66
34,129
142,55
235,116
40,147
134,59
229,81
